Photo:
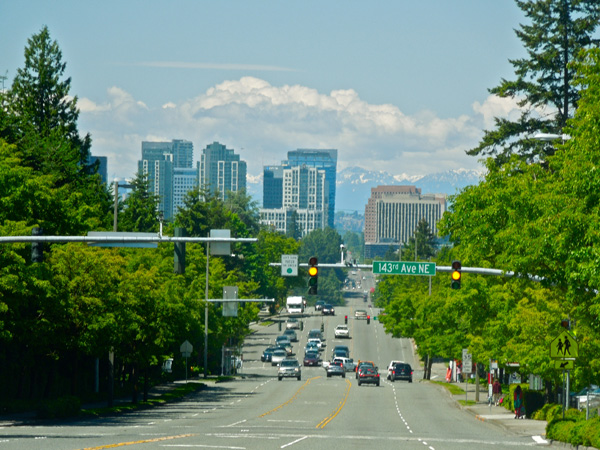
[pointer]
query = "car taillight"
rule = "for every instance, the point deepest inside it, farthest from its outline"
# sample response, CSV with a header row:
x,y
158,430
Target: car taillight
x,y
377,375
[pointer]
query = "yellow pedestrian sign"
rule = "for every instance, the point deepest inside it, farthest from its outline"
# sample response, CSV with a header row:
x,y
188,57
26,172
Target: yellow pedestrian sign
x,y
564,364
564,346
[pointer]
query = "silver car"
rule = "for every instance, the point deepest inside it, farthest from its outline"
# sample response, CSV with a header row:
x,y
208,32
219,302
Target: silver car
x,y
289,367
277,356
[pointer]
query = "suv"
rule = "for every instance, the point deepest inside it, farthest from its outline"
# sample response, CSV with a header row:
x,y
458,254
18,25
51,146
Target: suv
x,y
401,371
368,374
289,368
391,367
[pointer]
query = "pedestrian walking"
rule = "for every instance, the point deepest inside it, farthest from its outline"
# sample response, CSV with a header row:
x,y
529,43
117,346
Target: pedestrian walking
x,y
496,391
518,402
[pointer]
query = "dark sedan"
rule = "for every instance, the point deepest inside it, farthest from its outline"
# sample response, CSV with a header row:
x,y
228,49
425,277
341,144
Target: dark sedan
x,y
368,374
311,358
267,353
328,310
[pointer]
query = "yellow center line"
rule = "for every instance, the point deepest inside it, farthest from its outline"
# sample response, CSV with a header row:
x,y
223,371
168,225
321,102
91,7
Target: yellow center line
x,y
341,404
291,399
145,441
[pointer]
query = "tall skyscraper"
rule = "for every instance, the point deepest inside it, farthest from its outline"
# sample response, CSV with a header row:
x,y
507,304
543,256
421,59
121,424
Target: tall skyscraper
x,y
221,170
392,214
320,159
102,166
159,161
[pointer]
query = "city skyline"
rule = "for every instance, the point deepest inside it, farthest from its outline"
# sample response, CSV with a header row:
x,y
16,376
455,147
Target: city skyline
x,y
394,86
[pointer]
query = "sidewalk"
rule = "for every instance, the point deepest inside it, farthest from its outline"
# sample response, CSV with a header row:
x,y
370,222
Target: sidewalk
x,y
497,415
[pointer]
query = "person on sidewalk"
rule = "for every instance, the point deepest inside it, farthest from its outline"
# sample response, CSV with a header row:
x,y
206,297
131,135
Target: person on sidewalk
x,y
518,402
496,391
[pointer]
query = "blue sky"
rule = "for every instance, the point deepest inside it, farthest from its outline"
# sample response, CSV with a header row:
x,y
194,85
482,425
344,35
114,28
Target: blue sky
x,y
400,86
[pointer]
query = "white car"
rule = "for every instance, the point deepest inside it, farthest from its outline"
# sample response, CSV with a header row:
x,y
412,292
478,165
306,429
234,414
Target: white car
x,y
292,324
318,342
342,331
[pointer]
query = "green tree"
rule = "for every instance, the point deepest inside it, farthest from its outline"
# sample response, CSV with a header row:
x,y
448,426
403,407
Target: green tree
x,y
47,115
140,207
424,239
559,29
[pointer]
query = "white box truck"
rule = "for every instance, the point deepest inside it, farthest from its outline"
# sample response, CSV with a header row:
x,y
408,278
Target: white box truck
x,y
295,305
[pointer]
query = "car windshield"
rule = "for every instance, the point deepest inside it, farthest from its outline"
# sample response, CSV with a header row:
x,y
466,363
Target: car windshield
x,y
289,363
279,352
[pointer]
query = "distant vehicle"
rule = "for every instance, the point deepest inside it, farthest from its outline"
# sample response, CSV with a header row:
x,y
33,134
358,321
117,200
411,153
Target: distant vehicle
x,y
282,339
360,314
291,334
342,350
319,305
390,367
335,368
292,324
342,331
311,346
318,342
277,356
328,310
295,305
289,368
312,358
368,374
363,363
315,333
266,356
401,371
347,363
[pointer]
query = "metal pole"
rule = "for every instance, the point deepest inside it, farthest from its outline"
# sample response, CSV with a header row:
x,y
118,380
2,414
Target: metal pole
x,y
116,210
206,314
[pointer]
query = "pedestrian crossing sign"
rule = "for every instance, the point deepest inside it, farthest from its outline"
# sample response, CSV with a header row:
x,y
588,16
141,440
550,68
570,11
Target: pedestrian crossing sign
x,y
564,346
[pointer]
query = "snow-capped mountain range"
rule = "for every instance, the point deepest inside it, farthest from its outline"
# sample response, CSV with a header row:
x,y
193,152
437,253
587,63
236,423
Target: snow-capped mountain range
x,y
353,187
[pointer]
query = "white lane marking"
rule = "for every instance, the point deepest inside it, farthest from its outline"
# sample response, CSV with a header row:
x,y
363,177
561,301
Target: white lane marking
x,y
236,423
293,442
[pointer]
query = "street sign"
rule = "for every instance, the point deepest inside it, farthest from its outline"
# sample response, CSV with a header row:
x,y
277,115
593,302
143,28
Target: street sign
x,y
289,265
403,268
467,362
186,349
564,346
564,364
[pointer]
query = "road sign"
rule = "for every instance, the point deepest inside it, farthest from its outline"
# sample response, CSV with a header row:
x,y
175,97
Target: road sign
x,y
564,346
403,268
467,361
289,265
186,349
564,364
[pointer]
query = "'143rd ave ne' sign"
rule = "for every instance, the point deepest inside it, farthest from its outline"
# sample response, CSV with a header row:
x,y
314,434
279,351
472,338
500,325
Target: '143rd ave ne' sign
x,y
403,268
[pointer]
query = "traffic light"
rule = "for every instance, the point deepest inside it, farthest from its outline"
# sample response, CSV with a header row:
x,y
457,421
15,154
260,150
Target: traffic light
x,y
346,320
37,248
455,283
368,320
313,276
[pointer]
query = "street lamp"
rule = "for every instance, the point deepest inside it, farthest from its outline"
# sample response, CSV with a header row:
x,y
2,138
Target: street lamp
x,y
551,137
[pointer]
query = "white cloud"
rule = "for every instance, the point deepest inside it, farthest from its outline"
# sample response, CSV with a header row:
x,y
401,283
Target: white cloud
x,y
261,122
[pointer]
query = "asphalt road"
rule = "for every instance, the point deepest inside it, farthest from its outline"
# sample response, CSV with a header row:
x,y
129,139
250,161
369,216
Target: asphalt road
x,y
260,412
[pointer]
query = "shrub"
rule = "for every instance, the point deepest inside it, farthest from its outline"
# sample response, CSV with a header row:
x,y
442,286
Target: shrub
x,y
558,429
68,406
548,412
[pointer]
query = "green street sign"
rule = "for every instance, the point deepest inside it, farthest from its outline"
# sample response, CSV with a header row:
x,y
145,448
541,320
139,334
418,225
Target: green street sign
x,y
403,268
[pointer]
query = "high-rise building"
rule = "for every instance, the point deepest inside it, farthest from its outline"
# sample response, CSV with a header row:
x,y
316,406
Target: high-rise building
x,y
159,161
221,170
393,213
273,187
321,159
301,201
102,166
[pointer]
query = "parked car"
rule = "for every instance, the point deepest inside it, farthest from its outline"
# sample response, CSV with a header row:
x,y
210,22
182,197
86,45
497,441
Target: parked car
x,y
278,356
312,358
292,324
368,374
328,310
401,371
289,367
342,331
335,368
291,334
